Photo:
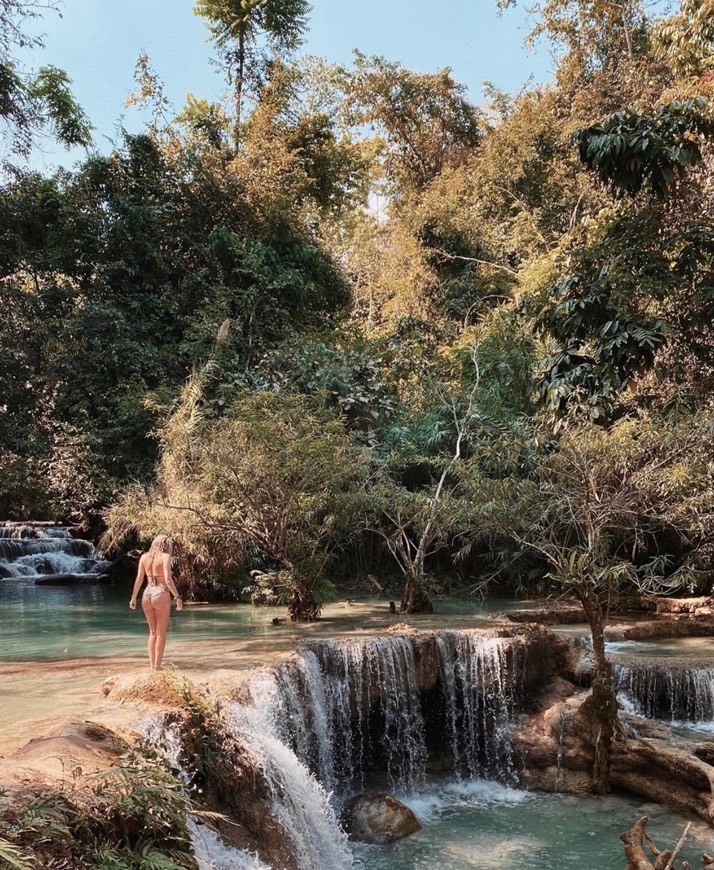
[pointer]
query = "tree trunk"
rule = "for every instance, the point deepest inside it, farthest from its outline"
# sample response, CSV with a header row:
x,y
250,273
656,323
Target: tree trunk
x,y
301,606
415,599
240,63
604,700
635,854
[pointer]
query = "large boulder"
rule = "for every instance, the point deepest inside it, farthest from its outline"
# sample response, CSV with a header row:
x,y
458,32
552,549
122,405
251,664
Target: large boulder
x,y
378,818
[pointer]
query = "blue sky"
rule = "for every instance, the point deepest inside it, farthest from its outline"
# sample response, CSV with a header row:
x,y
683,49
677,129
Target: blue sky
x,y
98,41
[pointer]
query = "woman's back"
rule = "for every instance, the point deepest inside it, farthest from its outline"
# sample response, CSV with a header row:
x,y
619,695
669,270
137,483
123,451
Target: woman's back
x,y
155,567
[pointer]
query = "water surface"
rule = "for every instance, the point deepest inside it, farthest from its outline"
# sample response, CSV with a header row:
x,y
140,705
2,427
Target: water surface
x,y
483,825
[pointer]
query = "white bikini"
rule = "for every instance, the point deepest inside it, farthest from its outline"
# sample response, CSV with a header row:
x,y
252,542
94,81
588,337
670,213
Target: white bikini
x,y
153,587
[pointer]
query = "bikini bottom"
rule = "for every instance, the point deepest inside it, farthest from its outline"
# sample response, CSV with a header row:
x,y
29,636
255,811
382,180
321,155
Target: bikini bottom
x,y
153,591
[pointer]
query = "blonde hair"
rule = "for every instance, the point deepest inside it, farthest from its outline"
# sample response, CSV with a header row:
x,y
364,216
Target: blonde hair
x,y
161,544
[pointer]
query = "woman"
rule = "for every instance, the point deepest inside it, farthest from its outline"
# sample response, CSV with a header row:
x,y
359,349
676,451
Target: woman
x,y
155,566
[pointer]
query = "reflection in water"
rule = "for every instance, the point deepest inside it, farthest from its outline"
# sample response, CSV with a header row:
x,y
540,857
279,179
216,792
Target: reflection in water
x,y
90,620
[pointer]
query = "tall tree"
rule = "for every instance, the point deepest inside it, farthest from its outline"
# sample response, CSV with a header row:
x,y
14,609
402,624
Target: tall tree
x,y
425,118
243,30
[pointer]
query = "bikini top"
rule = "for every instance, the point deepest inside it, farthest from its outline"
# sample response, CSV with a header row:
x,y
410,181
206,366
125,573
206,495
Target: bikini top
x,y
152,578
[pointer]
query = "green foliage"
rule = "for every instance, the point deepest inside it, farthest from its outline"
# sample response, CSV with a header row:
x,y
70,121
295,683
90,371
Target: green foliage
x,y
133,818
605,509
274,484
629,149
116,280
606,331
60,113
237,27
427,121
12,856
33,104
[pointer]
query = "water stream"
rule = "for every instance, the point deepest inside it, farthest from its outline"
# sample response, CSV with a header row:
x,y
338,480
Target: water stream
x,y
46,552
347,716
355,714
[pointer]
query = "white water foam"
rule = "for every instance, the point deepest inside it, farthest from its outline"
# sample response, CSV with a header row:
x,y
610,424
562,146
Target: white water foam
x,y
299,801
429,803
213,854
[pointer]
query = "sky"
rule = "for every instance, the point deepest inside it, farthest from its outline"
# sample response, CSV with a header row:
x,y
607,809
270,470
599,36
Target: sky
x,y
98,42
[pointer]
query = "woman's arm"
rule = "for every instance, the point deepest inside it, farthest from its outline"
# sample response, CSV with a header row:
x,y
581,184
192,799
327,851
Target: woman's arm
x,y
140,574
169,581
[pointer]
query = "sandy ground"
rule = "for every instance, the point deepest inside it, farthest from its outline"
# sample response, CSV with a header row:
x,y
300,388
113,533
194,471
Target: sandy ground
x,y
35,696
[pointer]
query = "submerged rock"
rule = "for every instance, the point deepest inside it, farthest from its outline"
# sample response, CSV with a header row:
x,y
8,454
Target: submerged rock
x,y
378,818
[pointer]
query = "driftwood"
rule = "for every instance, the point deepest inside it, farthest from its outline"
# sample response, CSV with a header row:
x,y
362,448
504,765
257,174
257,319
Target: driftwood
x,y
638,859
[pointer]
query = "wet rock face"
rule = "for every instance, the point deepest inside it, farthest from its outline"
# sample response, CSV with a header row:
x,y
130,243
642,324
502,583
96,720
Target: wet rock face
x,y
378,818
647,759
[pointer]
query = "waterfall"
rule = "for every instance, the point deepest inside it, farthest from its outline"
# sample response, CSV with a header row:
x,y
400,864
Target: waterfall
x,y
479,680
355,712
677,694
298,799
373,711
46,552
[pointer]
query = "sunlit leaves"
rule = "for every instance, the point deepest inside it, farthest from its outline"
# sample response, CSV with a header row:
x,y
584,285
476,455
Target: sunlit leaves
x,y
629,150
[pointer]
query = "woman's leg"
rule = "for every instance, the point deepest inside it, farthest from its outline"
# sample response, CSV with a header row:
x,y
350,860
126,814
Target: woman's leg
x,y
162,609
151,619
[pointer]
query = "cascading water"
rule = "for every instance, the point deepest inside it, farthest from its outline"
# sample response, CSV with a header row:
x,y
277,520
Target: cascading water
x,y
299,800
342,715
213,854
677,694
373,711
479,683
47,553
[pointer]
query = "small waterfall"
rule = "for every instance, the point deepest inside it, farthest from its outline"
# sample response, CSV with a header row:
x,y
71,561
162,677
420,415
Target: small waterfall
x,y
355,712
299,800
45,551
677,694
479,681
565,719
299,713
373,711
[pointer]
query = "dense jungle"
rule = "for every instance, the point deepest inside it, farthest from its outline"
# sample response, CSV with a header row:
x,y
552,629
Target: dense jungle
x,y
347,333
351,324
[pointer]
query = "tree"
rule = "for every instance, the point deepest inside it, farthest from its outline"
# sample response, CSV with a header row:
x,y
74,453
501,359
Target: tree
x,y
606,510
39,102
275,485
427,122
420,503
686,39
630,148
416,523
640,279
237,28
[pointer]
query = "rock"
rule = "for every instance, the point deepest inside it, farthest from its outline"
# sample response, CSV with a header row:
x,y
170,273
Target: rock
x,y
378,818
162,688
555,615
667,627
683,605
69,752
